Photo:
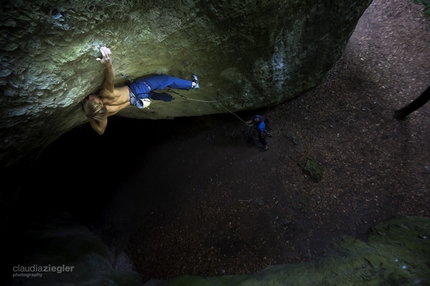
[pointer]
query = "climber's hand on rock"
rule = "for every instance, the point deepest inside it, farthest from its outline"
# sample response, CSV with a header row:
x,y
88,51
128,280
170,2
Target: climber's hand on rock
x,y
106,55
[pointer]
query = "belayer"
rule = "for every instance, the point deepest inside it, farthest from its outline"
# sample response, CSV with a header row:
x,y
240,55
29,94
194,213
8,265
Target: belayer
x,y
260,124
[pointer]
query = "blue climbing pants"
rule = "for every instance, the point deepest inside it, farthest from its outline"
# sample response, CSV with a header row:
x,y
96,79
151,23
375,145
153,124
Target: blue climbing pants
x,y
143,87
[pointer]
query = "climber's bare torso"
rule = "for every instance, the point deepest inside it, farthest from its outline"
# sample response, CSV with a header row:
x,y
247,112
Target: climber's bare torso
x,y
114,101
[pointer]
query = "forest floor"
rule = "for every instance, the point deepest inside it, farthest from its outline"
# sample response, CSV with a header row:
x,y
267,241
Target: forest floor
x,y
220,206
196,198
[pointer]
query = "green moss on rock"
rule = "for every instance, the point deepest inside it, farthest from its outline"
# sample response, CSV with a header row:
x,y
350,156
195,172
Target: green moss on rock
x,y
313,169
396,253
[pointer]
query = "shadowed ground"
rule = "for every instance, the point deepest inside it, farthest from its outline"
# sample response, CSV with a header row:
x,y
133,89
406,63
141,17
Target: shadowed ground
x,y
191,196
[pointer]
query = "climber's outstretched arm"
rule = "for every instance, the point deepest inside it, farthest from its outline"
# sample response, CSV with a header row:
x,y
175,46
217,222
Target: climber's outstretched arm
x,y
110,72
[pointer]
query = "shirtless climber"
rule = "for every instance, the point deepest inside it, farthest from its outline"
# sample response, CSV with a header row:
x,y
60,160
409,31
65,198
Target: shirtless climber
x,y
139,93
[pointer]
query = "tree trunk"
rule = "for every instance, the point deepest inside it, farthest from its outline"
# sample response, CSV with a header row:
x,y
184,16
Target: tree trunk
x,y
414,105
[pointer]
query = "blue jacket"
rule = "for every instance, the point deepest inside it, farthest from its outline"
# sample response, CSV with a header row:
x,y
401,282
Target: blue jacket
x,y
261,126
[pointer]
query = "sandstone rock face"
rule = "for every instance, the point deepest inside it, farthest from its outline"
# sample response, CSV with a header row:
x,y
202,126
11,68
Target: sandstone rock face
x,y
248,54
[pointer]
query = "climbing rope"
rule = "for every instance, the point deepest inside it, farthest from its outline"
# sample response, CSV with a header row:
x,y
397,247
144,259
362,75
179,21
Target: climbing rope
x,y
232,112
192,99
217,102
208,101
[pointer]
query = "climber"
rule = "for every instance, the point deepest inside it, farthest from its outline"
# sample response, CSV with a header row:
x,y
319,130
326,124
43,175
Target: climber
x,y
260,126
138,93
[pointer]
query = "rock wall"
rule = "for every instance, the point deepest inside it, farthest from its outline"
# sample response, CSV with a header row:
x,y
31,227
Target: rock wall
x,y
248,54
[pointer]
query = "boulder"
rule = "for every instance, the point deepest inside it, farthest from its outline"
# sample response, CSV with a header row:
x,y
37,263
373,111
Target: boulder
x,y
247,54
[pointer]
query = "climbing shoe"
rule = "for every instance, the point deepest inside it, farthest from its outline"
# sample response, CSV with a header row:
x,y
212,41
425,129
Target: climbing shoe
x,y
196,80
